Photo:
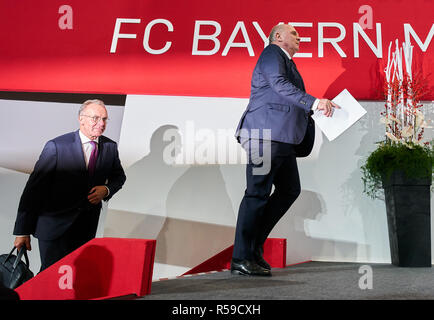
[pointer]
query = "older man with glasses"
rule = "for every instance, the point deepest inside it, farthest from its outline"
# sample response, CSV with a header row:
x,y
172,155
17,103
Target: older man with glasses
x,y
61,201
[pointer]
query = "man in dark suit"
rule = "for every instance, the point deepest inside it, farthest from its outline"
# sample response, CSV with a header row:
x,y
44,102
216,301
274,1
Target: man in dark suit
x,y
61,201
275,129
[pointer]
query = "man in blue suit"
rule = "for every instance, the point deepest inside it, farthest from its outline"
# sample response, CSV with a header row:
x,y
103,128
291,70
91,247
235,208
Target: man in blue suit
x,y
275,129
61,201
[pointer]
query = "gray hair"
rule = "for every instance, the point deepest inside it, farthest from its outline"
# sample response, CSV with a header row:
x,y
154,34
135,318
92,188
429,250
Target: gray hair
x,y
88,102
276,29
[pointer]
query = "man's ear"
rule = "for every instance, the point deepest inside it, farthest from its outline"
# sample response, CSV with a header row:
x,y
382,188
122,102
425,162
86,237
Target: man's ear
x,y
278,37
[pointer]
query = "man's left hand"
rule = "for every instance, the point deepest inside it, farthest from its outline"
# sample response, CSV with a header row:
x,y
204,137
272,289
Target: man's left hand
x,y
96,194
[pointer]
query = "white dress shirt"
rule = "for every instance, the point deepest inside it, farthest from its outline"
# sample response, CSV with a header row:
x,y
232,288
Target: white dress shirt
x,y
87,150
87,146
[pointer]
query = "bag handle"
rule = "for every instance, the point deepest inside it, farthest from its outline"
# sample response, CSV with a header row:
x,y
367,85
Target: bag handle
x,y
22,251
9,255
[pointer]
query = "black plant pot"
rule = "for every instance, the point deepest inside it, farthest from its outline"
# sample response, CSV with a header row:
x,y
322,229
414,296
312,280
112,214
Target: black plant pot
x,y
409,222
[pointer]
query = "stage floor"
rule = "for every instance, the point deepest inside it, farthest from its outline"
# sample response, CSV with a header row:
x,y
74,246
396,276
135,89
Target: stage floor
x,y
306,281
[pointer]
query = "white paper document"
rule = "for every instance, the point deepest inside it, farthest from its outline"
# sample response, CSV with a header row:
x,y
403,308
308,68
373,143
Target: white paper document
x,y
351,111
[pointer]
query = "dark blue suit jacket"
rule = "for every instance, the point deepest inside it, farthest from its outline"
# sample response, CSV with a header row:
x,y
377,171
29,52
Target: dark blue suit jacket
x,y
278,101
57,189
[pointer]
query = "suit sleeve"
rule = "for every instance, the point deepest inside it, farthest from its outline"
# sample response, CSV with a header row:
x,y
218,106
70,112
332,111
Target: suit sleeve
x,y
35,192
272,67
117,176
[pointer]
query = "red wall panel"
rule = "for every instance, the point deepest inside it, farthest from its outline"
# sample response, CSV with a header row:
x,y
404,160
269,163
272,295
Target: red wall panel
x,y
38,55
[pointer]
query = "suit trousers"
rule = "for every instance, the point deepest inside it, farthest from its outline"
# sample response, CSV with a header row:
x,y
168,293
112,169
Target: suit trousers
x,y
270,163
82,230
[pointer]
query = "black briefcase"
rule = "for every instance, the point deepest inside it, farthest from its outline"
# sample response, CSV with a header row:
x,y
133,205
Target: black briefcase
x,y
13,271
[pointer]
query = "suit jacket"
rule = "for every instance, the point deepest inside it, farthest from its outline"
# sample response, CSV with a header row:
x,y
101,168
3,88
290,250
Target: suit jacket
x,y
278,102
57,189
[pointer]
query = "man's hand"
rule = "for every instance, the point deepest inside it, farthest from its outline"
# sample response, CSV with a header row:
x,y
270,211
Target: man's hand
x,y
327,107
22,241
96,194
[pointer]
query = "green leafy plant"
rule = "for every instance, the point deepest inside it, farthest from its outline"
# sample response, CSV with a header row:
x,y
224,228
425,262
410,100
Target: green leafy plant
x,y
414,160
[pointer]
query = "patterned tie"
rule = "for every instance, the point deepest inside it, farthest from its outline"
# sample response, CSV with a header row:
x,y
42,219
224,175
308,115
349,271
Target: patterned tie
x,y
92,159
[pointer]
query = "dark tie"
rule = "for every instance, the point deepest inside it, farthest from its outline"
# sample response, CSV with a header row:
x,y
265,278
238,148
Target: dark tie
x,y
295,71
92,159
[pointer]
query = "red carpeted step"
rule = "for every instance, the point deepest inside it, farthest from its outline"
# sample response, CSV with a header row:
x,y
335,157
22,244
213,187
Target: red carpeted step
x,y
103,267
274,254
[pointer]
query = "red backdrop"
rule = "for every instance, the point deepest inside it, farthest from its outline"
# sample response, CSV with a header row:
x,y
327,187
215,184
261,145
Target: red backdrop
x,y
37,54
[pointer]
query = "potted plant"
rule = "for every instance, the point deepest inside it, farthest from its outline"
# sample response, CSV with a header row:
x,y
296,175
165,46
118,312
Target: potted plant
x,y
402,165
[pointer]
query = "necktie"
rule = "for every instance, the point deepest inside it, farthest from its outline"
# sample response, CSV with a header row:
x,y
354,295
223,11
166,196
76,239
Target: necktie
x,y
295,70
92,159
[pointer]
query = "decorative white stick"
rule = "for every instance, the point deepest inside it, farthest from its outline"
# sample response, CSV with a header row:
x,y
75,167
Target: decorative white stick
x,y
408,56
387,72
401,104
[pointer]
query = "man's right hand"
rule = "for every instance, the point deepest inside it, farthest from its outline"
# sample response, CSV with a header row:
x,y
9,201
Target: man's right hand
x,y
22,241
327,107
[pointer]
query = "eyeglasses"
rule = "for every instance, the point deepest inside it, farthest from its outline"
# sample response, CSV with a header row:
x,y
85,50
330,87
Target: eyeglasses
x,y
96,119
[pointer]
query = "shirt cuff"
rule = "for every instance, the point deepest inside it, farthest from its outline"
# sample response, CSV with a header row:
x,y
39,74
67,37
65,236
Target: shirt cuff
x,y
315,104
108,191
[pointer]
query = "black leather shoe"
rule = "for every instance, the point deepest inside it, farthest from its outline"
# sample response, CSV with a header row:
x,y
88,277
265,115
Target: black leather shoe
x,y
259,259
248,268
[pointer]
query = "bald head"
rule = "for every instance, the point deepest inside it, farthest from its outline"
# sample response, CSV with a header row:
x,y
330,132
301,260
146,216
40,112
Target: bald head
x,y
286,37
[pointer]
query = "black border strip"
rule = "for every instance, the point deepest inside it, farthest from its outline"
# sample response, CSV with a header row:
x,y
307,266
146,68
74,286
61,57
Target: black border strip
x,y
109,99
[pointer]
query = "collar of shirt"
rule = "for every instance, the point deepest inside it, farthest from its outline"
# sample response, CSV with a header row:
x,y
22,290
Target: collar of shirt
x,y
86,146
85,139
286,52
